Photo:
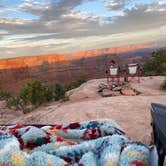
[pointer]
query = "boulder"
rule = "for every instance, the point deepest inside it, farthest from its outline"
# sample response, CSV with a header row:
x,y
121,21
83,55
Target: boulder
x,y
118,88
28,108
106,93
109,93
128,92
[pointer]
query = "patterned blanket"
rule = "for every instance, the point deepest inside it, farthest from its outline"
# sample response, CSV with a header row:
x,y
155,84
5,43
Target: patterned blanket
x,y
95,143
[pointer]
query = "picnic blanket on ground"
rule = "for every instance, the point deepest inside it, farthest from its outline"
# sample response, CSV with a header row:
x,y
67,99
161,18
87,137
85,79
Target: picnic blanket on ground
x,y
94,143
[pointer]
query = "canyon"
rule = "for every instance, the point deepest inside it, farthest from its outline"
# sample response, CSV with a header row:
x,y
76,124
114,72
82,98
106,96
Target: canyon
x,y
64,68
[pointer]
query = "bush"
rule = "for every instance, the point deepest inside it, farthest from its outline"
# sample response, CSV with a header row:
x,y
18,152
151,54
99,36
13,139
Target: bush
x,y
33,92
49,93
55,92
36,93
10,103
58,91
75,84
16,103
66,98
157,66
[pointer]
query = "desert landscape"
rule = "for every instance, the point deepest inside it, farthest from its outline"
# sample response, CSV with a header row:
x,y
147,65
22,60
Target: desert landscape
x,y
69,69
132,113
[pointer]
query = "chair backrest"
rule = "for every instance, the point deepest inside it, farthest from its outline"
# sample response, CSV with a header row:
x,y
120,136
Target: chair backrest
x,y
132,68
113,71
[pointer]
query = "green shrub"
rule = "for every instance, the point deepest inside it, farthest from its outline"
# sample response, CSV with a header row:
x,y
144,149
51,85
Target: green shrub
x,y
157,66
14,102
58,92
54,92
49,93
33,92
10,103
36,93
75,84
66,98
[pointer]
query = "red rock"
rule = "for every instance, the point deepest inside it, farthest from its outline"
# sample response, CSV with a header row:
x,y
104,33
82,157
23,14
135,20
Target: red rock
x,y
59,67
128,92
30,61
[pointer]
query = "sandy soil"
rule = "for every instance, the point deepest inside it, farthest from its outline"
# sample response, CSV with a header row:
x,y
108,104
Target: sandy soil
x,y
131,112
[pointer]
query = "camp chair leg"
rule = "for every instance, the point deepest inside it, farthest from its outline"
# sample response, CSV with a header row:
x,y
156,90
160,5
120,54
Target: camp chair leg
x,y
127,78
118,80
113,79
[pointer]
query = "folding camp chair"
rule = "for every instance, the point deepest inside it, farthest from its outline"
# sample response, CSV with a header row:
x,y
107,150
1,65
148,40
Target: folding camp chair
x,y
113,74
132,72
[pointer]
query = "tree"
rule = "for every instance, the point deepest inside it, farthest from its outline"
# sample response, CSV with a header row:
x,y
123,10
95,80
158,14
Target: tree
x,y
33,92
157,66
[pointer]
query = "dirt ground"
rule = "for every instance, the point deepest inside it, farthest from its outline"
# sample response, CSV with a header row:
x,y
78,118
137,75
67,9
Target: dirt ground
x,y
132,113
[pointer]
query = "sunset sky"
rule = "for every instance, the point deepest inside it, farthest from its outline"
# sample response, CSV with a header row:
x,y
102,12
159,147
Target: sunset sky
x,y
32,27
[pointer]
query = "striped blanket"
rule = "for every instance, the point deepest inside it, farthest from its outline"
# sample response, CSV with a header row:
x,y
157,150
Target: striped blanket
x,y
94,143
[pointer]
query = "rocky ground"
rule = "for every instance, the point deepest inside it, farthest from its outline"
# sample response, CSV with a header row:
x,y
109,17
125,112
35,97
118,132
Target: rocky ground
x,y
131,112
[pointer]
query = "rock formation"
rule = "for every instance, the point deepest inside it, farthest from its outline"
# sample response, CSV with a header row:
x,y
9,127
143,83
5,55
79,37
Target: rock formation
x,y
62,68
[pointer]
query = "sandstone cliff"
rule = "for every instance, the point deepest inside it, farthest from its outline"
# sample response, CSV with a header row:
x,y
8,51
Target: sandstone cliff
x,y
65,68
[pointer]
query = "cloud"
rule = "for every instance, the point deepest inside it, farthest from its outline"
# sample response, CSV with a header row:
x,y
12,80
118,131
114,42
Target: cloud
x,y
1,11
1,5
6,9
58,23
59,17
138,18
24,47
2,32
158,6
115,5
32,7
49,10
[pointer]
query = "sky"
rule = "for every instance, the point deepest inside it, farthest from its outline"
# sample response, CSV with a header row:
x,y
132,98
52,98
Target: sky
x,y
36,27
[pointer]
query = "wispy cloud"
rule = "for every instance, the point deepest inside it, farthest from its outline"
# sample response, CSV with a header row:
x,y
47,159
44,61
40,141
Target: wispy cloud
x,y
56,23
116,5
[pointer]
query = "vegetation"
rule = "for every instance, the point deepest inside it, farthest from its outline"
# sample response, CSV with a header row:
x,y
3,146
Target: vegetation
x,y
15,103
10,102
75,84
157,65
55,92
35,93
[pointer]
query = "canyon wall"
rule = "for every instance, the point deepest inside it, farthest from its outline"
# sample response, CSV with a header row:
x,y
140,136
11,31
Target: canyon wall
x,y
31,61
61,70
